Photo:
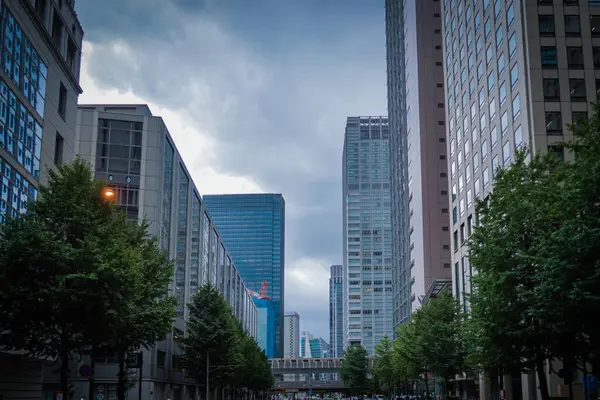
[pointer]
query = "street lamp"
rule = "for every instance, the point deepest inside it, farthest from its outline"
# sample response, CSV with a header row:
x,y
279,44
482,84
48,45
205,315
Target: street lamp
x,y
108,194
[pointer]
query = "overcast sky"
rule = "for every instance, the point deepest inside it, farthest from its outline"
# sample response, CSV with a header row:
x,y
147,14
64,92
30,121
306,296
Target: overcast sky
x,y
256,95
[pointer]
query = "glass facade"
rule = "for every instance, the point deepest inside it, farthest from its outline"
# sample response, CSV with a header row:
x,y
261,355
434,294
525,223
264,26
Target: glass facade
x,y
253,227
118,161
367,232
180,263
16,191
336,311
196,278
266,321
397,109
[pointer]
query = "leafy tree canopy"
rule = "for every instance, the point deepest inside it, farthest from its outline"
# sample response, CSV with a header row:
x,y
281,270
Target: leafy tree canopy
x,y
354,369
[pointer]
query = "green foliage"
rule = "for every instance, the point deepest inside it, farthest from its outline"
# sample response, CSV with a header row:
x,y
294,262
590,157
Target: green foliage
x,y
354,369
234,358
383,369
74,273
212,338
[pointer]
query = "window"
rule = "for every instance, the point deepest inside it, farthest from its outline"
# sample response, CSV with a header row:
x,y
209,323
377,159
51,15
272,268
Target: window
x,y
575,57
504,122
502,93
484,149
475,162
499,37
489,54
492,108
488,27
477,187
478,46
549,59
553,123
494,136
479,71
495,164
490,81
514,75
500,63
558,151
58,149
518,137
595,25
577,89
486,177
578,116
512,44
546,25
481,98
551,89
572,25
62,101
516,106
596,56
510,14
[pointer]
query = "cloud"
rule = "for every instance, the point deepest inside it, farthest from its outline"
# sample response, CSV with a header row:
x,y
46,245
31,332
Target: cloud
x,y
254,103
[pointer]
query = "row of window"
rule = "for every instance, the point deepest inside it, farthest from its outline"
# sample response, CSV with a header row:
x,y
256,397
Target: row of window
x,y
21,61
15,192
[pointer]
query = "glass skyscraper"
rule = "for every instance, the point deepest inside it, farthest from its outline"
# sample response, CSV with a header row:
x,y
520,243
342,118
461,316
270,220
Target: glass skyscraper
x,y
367,232
336,311
253,229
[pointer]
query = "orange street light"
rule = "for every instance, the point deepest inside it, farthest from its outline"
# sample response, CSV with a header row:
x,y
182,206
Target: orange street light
x,y
108,193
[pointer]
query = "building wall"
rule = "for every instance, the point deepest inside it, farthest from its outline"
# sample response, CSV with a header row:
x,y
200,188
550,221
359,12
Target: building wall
x,y
427,163
336,311
39,87
367,231
501,95
266,322
401,274
132,151
291,337
253,229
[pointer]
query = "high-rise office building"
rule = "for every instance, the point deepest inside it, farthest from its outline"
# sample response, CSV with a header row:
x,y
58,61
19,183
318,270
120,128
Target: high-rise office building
x,y
367,232
336,311
311,347
429,234
133,152
39,87
518,76
253,229
265,326
291,336
397,110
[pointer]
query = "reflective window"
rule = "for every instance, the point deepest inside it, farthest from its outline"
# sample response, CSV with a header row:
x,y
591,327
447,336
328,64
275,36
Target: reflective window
x,y
15,191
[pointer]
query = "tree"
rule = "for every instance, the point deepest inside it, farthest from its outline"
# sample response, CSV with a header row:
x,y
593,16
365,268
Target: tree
x,y
212,339
58,263
143,314
439,329
354,368
506,333
253,370
383,368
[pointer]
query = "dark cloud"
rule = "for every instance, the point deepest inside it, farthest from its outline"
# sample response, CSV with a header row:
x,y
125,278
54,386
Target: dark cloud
x,y
276,113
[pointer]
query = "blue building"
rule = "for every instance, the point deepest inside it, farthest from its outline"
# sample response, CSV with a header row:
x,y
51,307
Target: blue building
x,y
311,347
253,229
336,311
266,326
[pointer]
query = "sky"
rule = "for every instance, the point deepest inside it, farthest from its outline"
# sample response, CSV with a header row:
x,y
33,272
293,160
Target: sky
x,y
255,94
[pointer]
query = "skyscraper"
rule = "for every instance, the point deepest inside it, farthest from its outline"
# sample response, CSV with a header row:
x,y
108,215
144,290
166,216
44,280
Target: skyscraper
x,y
291,337
39,87
311,347
429,234
519,76
133,152
367,232
253,229
397,110
336,311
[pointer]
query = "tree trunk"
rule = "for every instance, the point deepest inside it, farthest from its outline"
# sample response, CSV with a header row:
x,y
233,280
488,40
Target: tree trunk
x,y
426,385
64,363
121,376
539,366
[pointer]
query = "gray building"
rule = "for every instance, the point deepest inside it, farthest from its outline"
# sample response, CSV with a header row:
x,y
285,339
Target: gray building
x,y
397,110
426,164
291,335
133,152
367,232
39,87
516,74
336,311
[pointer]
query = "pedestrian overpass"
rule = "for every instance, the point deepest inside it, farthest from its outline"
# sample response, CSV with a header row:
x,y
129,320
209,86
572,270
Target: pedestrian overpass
x,y
308,374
